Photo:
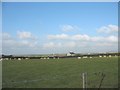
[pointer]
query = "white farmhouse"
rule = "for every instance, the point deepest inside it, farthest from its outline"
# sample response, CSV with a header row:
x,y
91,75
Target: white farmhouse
x,y
70,53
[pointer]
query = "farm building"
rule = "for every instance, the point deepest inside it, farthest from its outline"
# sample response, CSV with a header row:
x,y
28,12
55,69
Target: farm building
x,y
71,53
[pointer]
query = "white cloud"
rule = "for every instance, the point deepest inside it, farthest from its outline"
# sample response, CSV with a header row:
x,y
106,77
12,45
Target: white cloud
x,y
68,37
16,45
25,35
51,45
97,39
80,37
82,43
69,44
112,39
104,44
83,37
6,36
68,28
26,42
58,36
108,29
7,39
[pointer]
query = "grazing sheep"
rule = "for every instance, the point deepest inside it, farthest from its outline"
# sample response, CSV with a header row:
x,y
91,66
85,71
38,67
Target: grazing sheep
x,y
115,55
90,57
44,58
85,57
19,58
104,55
79,57
1,59
100,56
109,55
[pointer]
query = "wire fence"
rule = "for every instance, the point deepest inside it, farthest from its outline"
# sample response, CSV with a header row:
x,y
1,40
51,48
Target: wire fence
x,y
91,80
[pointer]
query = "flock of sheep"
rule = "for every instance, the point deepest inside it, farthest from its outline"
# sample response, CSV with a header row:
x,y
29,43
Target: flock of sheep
x,y
59,58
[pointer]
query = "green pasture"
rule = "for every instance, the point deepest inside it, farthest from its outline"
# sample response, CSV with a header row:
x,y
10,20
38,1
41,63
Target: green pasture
x,y
60,73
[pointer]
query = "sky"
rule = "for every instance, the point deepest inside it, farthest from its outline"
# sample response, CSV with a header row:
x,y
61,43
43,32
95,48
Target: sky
x,y
60,0
59,27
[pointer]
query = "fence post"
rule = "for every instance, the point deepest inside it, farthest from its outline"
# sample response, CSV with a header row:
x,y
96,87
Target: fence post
x,y
84,77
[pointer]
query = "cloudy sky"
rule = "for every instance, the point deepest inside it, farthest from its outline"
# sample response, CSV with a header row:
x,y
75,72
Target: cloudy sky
x,y
41,28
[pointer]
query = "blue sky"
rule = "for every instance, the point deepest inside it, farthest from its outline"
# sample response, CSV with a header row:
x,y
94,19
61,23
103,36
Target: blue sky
x,y
59,27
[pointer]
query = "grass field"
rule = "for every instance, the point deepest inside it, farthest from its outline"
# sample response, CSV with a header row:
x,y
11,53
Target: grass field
x,y
60,73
